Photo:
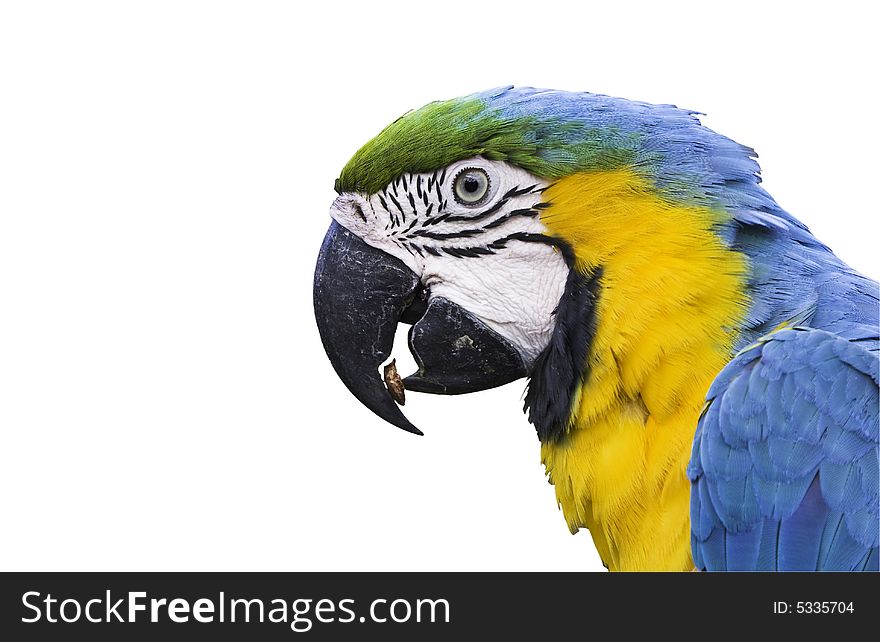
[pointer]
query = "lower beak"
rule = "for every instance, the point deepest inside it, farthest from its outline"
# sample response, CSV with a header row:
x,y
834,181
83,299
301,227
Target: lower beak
x,y
362,293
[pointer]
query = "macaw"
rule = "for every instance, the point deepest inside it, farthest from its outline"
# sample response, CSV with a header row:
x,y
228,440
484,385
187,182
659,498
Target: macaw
x,y
702,371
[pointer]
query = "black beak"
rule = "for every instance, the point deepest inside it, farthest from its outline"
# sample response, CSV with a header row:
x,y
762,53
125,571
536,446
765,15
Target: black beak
x,y
457,353
362,293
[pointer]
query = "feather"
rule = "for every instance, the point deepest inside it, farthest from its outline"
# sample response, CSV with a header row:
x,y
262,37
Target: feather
x,y
800,535
743,549
803,494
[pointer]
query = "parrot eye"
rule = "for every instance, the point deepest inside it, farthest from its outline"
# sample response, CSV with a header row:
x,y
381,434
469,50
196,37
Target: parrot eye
x,y
471,186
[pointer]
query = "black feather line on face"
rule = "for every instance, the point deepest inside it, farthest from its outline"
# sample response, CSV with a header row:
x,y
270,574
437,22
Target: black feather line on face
x,y
445,236
481,215
513,213
563,364
519,191
396,203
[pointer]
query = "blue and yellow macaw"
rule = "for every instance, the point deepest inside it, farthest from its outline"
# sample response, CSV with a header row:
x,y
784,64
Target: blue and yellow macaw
x,y
703,372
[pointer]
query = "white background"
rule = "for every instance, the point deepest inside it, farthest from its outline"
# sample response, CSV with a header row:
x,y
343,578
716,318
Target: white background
x,y
166,169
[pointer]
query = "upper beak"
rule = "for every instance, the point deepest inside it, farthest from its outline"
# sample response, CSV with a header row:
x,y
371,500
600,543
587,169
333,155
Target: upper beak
x,y
361,293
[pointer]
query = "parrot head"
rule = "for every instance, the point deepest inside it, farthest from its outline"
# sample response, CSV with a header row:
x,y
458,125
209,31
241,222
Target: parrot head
x,y
458,218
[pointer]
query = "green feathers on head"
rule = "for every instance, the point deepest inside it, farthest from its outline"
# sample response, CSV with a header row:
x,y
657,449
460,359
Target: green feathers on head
x,y
443,132
553,134
424,140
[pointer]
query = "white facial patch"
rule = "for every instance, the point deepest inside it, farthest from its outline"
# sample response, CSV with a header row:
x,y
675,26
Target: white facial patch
x,y
472,233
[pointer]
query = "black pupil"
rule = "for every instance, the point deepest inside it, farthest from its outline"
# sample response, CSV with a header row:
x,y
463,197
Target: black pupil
x,y
471,184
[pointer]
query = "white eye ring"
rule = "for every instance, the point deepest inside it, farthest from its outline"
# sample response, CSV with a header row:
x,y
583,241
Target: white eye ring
x,y
471,186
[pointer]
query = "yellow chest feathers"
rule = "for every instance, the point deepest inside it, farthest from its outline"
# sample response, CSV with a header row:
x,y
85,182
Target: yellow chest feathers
x,y
672,294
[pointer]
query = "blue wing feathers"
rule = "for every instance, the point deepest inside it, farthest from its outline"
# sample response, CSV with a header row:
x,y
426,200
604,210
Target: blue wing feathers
x,y
735,502
863,527
703,520
869,475
708,516
871,562
840,487
767,555
843,446
844,552
779,499
714,549
784,467
793,459
800,536
742,549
